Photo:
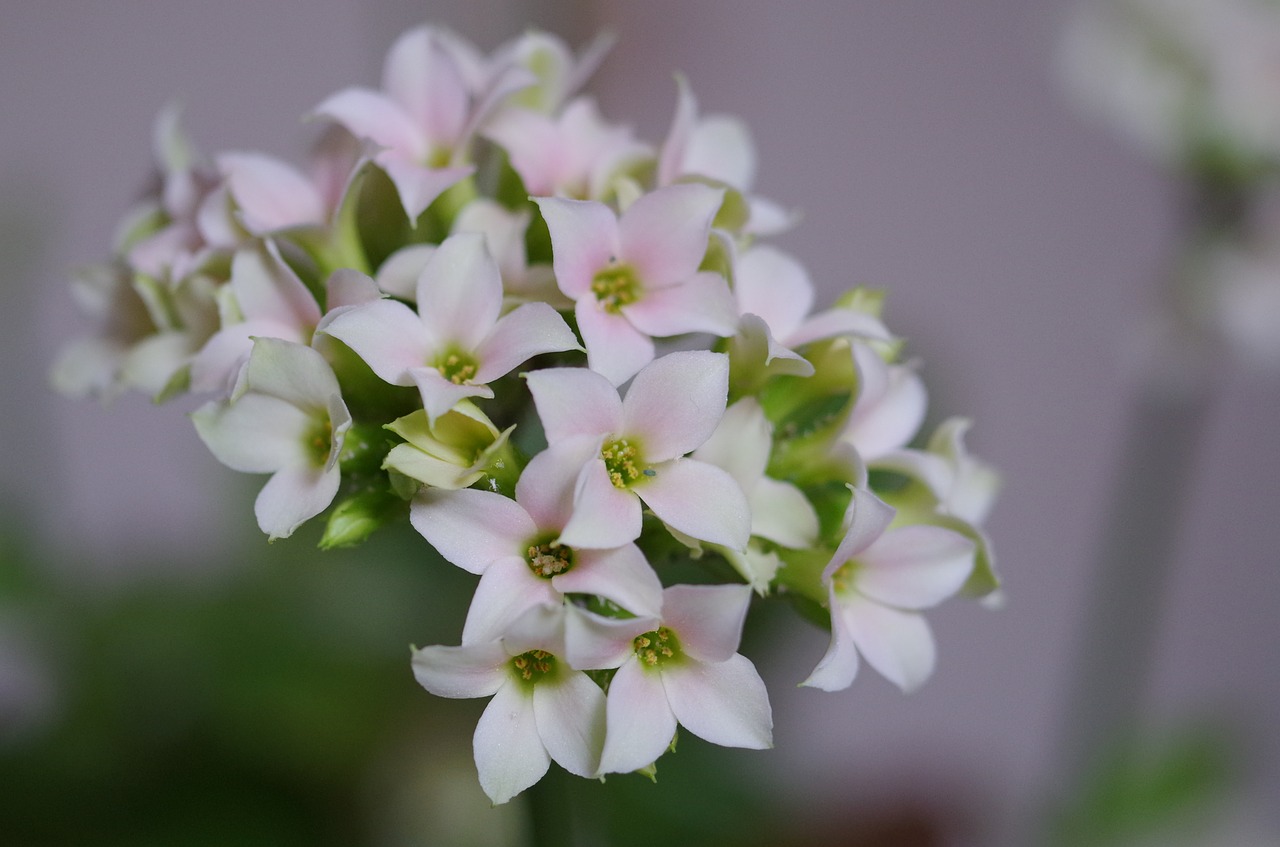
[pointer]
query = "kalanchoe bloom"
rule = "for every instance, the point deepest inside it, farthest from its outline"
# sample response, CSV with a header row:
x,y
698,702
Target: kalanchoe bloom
x,y
878,582
631,450
542,709
890,405
504,232
456,343
515,546
687,670
271,195
558,73
635,277
290,422
459,449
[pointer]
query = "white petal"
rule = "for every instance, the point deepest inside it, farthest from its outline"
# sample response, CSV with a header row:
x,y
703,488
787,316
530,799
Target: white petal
x,y
836,322
256,434
476,670
615,348
295,373
546,486
721,148
527,331
293,495
472,528
570,714
707,619
348,287
398,275
508,750
593,641
584,239
271,194
740,444
898,644
603,515
267,288
663,235
781,513
915,567
889,416
674,404
775,286
672,157
699,500
459,292
838,667
640,722
574,401
418,186
387,335
440,395
422,77
722,702
507,590
372,115
866,519
701,303
622,575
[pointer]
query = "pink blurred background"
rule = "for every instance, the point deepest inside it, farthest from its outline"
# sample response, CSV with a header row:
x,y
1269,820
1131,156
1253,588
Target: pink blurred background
x,y
931,153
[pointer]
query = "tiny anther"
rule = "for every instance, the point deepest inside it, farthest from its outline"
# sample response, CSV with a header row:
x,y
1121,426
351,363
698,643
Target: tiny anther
x,y
546,560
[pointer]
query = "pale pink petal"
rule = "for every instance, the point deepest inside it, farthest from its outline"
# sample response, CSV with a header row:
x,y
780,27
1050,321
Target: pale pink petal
x,y
838,667
293,495
271,194
663,235
420,74
615,348
740,443
698,499
675,403
775,286
721,148
722,702
866,518
546,486
473,670
574,401
702,303
348,287
507,589
890,407
584,239
604,516
534,145
295,373
915,567
266,288
388,336
782,514
570,715
460,292
707,619
508,750
671,159
622,575
218,364
525,332
593,641
838,322
640,722
471,528
256,434
417,184
398,275
929,469
898,644
372,115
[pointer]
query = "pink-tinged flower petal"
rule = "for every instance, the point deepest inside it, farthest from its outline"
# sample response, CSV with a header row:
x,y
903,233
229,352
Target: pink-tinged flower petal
x,y
838,322
574,401
898,644
506,590
256,434
867,518
295,373
674,405
418,185
838,667
768,218
508,750
539,627
722,702
640,722
721,148
473,670
546,486
534,145
915,567
672,156
604,516
584,239
372,115
663,235
622,575
740,443
292,496
702,303
398,275
593,641
698,499
570,715
460,292
220,362
271,194
422,77
440,395
782,514
266,288
890,407
348,287
615,348
388,336
707,619
773,285
471,528
525,332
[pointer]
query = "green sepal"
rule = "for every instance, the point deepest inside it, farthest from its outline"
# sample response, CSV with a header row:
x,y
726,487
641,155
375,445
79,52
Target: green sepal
x,y
357,517
177,384
800,577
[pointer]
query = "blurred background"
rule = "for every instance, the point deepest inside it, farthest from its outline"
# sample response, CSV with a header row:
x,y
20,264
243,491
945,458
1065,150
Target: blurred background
x,y
168,678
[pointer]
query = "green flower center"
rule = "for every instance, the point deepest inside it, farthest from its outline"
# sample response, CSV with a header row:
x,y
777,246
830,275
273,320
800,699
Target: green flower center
x,y
458,368
842,577
547,561
656,647
319,441
622,461
531,667
615,286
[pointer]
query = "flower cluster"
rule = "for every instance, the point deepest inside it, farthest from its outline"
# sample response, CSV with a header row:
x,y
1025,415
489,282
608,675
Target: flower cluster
x,y
570,359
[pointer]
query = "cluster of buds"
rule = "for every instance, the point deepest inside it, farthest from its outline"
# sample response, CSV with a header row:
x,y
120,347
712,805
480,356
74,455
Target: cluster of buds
x,y
568,357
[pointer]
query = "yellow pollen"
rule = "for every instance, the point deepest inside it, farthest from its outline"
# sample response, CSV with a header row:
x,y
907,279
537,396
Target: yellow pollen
x,y
615,286
457,369
621,461
546,561
654,647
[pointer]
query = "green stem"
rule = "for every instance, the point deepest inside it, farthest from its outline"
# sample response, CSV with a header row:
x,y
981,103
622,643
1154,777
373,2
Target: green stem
x,y
550,811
